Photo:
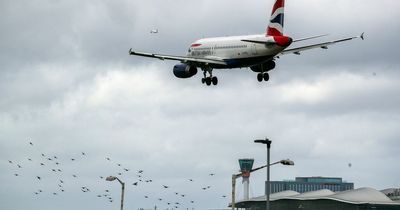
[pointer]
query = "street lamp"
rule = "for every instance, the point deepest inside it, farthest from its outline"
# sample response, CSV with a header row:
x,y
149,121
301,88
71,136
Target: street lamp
x,y
287,162
112,178
268,143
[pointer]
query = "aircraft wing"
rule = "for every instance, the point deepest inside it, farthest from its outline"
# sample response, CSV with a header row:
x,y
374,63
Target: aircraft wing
x,y
323,45
183,59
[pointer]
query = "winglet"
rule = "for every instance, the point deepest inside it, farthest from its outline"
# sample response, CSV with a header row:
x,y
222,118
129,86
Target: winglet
x,y
362,36
130,51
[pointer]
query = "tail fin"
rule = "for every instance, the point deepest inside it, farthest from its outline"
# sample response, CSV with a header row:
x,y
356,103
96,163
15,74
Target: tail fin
x,y
275,27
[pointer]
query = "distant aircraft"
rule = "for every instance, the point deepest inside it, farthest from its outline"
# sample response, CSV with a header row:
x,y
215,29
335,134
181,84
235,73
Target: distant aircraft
x,y
154,31
258,52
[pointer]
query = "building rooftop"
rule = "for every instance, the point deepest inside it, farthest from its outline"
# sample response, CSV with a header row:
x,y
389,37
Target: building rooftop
x,y
358,196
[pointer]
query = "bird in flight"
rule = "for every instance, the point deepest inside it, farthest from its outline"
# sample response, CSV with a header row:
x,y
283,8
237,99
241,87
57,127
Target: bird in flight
x,y
165,186
31,143
38,177
154,31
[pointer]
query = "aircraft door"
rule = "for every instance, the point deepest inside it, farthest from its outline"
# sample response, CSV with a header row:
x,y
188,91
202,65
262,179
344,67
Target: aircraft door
x,y
253,49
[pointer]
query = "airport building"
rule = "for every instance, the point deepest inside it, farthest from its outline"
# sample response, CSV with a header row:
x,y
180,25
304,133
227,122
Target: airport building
x,y
392,193
307,184
358,199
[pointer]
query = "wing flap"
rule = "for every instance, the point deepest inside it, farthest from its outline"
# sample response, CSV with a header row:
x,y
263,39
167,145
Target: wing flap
x,y
323,45
183,59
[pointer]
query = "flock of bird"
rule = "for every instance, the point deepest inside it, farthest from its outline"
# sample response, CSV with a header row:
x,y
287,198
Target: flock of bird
x,y
51,167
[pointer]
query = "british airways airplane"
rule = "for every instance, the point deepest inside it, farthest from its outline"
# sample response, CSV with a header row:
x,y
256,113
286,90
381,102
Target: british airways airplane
x,y
258,52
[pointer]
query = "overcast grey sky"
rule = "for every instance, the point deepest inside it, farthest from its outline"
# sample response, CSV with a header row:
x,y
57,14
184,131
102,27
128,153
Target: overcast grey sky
x,y
68,85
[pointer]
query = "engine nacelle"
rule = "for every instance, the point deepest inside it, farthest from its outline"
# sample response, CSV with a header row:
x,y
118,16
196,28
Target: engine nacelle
x,y
184,71
266,67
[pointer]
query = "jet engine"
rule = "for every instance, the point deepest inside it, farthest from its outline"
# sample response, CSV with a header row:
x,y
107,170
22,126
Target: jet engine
x,y
184,71
265,67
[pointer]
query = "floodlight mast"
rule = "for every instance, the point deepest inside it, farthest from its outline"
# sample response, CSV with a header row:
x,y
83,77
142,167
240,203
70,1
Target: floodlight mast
x,y
268,143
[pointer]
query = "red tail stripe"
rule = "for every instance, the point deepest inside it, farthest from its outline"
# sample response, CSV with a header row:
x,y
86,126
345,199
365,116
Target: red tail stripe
x,y
278,4
273,32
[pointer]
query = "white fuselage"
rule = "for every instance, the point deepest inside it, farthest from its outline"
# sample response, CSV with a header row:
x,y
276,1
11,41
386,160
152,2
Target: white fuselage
x,y
235,51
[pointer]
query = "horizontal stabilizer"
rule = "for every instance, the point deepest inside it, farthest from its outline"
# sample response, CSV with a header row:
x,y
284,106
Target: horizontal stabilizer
x,y
258,41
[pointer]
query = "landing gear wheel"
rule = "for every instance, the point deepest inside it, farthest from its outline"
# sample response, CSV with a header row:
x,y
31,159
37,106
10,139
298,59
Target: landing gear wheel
x,y
203,80
208,81
266,77
214,80
260,77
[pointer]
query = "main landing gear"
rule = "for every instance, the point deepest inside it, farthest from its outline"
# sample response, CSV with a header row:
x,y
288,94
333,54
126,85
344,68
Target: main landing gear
x,y
262,76
208,80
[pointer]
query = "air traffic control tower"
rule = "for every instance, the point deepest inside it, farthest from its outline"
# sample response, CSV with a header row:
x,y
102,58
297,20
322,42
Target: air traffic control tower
x,y
245,167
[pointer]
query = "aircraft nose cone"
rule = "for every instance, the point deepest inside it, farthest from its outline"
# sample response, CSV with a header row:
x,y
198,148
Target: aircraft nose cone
x,y
283,41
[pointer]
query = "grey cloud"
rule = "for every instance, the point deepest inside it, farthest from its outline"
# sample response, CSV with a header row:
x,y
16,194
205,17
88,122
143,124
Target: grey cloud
x,y
69,85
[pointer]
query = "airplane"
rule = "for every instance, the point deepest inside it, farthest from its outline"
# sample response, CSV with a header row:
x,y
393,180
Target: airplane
x,y
257,52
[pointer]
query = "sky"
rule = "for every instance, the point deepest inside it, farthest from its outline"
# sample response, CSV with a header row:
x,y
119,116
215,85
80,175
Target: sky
x,y
69,86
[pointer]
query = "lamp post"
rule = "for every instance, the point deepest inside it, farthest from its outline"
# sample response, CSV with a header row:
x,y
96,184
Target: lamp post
x,y
268,143
112,178
287,162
